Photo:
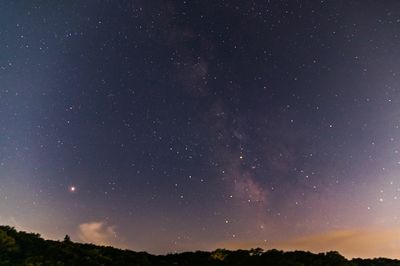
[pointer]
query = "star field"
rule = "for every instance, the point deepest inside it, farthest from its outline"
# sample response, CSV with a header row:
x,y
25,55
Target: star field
x,y
168,126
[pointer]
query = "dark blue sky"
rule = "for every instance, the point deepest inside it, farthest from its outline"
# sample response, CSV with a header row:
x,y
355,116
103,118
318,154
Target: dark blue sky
x,y
183,125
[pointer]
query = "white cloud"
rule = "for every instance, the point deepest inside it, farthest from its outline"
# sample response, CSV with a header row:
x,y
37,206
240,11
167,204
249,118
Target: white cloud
x,y
98,233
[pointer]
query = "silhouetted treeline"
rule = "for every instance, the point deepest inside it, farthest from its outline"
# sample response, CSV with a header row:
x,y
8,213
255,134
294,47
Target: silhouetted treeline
x,y
21,248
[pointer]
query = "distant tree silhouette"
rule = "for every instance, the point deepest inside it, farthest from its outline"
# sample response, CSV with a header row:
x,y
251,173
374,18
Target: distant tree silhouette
x,y
256,251
27,249
7,243
219,254
67,239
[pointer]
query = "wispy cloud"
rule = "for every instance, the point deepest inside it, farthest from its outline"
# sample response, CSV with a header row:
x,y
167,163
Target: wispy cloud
x,y
97,232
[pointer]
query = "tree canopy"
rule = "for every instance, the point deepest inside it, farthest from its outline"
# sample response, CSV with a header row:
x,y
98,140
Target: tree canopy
x,y
28,249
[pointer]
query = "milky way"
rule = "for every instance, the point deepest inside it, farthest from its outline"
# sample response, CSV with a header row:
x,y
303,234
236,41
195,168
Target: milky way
x,y
168,126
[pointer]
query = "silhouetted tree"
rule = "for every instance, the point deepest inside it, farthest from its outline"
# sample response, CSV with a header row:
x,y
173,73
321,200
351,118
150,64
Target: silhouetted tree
x,y
27,249
67,239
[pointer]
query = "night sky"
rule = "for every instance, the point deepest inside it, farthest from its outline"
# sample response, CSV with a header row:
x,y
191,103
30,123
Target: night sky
x,y
168,126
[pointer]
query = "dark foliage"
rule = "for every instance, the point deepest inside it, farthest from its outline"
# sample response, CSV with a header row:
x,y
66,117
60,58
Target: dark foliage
x,y
21,248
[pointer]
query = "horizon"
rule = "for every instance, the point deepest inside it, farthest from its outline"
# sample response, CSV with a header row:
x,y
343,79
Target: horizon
x,y
181,125
229,248
22,247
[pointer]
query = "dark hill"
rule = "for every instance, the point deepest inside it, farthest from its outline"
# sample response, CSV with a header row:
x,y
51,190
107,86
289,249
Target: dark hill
x,y
21,248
